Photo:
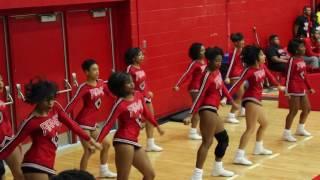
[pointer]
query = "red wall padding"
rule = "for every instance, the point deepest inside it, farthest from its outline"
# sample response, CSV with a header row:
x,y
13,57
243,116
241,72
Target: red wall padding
x,y
169,27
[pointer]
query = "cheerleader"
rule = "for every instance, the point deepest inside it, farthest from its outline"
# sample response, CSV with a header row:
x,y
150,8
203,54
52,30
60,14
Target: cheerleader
x,y
91,93
42,126
255,74
234,72
193,73
6,134
297,87
131,111
207,103
134,58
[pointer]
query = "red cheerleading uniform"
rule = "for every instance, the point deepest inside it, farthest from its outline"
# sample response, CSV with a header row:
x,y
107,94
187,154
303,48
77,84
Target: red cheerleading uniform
x,y
297,83
92,100
235,65
255,78
194,71
211,90
312,47
129,115
139,79
6,133
43,132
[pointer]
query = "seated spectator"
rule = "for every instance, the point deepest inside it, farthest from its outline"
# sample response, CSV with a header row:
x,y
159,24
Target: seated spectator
x,y
304,23
276,56
73,175
312,49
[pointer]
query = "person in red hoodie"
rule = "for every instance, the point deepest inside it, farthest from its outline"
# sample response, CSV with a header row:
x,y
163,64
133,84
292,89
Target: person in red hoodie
x,y
207,103
234,72
134,58
42,125
193,73
91,94
6,134
131,112
255,73
297,87
312,46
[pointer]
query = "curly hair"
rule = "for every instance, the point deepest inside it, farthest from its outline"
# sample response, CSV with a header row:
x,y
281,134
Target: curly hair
x,y
39,90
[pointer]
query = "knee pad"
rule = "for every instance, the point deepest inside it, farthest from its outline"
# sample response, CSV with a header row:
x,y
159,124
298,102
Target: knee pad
x,y
223,142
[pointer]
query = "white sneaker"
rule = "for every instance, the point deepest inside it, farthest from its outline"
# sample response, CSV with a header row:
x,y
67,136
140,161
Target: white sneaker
x,y
232,120
154,148
263,151
288,137
107,174
242,161
195,136
220,171
302,132
197,174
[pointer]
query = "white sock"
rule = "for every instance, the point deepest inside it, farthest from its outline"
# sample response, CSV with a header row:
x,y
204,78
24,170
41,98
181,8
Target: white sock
x,y
104,167
150,141
193,130
218,165
231,115
197,170
259,144
240,153
287,131
300,126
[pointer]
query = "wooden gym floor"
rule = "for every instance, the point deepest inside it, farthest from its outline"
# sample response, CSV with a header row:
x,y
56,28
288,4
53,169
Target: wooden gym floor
x,y
300,160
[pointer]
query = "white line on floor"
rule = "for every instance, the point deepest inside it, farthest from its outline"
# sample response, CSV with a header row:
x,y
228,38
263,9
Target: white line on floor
x,y
292,146
254,166
307,139
273,156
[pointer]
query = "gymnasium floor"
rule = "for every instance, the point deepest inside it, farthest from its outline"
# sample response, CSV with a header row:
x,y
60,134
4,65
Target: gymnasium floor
x,y
291,161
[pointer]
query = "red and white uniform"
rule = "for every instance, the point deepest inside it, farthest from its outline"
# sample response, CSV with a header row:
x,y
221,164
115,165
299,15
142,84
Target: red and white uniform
x,y
6,133
235,65
297,83
211,91
312,47
43,132
92,100
130,116
139,79
255,78
194,71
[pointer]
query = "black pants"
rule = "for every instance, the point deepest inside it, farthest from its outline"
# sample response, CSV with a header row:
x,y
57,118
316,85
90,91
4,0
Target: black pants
x,y
278,67
2,169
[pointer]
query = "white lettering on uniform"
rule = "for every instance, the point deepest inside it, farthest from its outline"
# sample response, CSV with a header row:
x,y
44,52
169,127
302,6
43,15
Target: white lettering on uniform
x,y
96,92
50,124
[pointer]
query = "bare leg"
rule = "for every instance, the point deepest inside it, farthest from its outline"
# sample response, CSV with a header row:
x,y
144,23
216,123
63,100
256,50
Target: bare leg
x,y
14,163
208,125
252,116
143,164
124,159
87,152
36,176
